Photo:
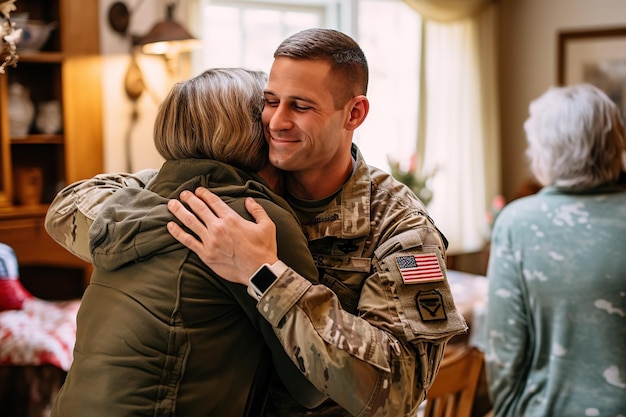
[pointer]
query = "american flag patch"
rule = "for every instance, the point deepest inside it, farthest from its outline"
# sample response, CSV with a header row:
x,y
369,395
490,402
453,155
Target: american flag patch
x,y
419,268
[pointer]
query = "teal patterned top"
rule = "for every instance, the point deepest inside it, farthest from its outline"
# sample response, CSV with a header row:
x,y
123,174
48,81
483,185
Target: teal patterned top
x,y
556,316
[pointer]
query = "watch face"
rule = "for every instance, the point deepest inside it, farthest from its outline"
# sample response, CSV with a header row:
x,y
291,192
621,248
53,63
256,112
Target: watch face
x,y
263,279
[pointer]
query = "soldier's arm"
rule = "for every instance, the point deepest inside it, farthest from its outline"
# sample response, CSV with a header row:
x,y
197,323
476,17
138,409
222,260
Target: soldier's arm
x,y
378,362
76,206
381,361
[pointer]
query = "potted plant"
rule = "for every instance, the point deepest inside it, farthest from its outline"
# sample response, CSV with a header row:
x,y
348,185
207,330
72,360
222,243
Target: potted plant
x,y
414,178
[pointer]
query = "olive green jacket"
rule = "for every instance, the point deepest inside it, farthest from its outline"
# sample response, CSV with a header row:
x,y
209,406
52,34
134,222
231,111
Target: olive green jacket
x,y
367,339
159,334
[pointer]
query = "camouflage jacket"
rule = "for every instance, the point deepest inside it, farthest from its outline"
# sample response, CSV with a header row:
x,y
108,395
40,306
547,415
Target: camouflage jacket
x,y
369,340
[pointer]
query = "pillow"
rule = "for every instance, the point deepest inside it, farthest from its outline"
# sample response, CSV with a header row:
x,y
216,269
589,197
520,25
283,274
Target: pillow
x,y
12,292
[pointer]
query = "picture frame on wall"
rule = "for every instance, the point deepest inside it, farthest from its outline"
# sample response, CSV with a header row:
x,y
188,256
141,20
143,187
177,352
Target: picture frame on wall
x,y
594,56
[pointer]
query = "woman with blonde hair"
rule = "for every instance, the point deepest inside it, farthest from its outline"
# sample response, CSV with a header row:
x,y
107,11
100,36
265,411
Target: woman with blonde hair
x,y
158,332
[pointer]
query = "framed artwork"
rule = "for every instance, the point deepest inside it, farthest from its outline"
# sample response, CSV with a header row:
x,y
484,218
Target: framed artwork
x,y
595,56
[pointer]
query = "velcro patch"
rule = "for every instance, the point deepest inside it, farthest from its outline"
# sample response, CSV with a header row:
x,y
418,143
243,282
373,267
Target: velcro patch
x,y
430,305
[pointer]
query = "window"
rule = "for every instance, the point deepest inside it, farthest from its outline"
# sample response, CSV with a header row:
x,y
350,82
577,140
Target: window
x,y
460,135
389,33
246,33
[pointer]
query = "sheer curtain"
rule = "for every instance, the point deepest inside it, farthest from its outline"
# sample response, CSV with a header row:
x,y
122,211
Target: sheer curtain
x,y
458,126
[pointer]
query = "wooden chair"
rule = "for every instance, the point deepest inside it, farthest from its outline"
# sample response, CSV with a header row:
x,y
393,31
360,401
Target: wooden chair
x,y
452,394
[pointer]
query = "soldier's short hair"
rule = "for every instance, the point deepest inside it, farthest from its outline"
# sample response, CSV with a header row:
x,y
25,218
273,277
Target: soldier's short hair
x,y
347,60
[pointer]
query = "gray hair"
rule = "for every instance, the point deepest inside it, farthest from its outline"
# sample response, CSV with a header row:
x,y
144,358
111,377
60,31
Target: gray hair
x,y
575,137
216,115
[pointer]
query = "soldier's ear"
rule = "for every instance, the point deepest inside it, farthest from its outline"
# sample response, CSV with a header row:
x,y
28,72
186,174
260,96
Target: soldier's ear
x,y
358,108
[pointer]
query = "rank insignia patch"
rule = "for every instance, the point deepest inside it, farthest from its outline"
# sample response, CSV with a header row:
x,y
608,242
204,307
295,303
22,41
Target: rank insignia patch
x,y
420,268
430,305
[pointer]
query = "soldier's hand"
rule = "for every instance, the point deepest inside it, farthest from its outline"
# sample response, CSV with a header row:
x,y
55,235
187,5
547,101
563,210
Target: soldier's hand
x,y
230,245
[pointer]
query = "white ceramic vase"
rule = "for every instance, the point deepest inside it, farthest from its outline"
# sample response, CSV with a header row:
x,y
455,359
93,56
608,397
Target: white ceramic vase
x,y
49,117
21,110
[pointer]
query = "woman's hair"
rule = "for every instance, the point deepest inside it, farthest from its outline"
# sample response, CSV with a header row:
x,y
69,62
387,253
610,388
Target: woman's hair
x,y
575,138
216,115
347,60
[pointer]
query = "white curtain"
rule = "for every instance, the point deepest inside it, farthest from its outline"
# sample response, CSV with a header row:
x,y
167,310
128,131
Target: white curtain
x,y
458,127
447,10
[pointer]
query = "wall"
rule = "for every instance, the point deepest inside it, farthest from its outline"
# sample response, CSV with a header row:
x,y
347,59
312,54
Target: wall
x,y
120,132
528,65
528,34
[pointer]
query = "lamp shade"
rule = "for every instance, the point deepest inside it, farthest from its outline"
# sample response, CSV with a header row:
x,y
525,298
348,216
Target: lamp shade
x,y
167,37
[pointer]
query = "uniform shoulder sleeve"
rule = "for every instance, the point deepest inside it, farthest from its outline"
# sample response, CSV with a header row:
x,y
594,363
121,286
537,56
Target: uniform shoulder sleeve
x,y
424,299
75,207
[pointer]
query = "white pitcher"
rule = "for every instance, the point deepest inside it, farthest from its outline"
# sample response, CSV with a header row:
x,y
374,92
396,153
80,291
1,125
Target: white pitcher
x,y
21,110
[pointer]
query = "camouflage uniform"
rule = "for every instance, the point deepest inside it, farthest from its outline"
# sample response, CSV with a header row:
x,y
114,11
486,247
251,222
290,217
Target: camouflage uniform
x,y
74,209
362,337
367,339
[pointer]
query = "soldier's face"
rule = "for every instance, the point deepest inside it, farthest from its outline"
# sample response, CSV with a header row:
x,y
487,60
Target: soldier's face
x,y
307,135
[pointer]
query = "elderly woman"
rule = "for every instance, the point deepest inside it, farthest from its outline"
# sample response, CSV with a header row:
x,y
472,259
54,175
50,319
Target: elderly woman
x,y
557,273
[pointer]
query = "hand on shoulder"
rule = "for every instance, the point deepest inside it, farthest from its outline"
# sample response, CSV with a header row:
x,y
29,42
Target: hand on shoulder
x,y
230,245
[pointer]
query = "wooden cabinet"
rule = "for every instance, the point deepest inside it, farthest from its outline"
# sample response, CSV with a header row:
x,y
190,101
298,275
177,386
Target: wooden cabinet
x,y
66,70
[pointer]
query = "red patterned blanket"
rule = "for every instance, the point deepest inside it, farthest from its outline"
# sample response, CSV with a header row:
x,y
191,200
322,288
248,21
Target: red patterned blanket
x,y
41,332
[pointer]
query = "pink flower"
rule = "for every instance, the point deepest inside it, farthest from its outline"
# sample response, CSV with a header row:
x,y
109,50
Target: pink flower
x,y
498,203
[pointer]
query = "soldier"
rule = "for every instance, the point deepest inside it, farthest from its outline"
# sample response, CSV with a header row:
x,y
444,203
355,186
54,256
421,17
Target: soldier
x,y
371,335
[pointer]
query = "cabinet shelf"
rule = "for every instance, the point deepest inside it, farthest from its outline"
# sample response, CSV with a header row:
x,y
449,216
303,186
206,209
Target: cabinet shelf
x,y
40,57
41,139
65,74
36,211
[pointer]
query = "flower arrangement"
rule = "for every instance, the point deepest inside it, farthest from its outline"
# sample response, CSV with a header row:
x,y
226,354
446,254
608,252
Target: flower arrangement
x,y
8,36
414,178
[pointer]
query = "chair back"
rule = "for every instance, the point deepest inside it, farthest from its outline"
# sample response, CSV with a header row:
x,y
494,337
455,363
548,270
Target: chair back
x,y
452,393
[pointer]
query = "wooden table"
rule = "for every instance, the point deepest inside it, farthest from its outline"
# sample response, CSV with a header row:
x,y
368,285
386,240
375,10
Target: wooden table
x,y
470,296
